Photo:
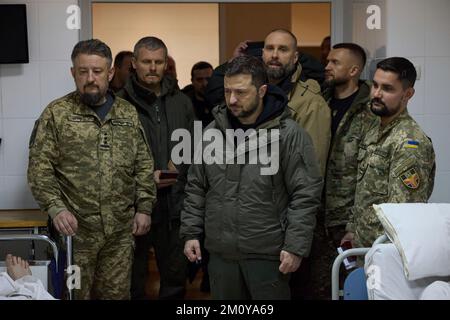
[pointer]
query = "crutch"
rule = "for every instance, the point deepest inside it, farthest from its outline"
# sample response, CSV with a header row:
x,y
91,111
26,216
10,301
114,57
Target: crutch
x,y
69,263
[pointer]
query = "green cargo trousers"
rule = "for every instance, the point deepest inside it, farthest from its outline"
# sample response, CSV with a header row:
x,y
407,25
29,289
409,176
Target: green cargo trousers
x,y
246,279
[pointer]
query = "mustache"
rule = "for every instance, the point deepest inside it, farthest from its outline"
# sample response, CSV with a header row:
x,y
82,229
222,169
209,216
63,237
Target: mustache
x,y
91,85
377,101
274,62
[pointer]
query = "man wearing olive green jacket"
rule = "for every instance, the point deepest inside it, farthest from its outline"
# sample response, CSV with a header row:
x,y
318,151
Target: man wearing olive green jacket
x,y
257,227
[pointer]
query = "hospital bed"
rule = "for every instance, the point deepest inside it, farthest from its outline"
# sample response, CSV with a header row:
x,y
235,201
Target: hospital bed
x,y
413,265
355,282
39,268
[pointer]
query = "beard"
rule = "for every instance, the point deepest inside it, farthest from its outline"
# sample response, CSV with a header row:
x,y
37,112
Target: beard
x,y
251,110
92,98
279,73
334,82
381,109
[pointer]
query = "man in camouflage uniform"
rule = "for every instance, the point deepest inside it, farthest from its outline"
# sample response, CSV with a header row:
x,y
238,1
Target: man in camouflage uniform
x,y
347,97
396,160
91,170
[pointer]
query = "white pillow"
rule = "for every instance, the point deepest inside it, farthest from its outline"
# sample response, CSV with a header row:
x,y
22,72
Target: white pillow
x,y
421,233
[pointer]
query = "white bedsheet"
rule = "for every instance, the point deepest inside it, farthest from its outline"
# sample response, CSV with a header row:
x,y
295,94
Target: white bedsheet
x,y
25,288
386,279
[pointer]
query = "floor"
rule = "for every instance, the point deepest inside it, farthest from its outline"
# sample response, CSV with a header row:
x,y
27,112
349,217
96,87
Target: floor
x,y
192,289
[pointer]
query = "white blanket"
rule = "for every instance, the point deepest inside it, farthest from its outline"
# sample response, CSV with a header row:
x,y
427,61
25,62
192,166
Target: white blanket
x,y
25,288
421,233
386,279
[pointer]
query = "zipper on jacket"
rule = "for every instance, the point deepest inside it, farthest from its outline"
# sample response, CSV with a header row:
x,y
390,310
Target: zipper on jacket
x,y
158,114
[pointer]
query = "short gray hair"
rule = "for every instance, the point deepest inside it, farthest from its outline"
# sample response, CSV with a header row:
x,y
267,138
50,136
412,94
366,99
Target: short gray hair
x,y
150,43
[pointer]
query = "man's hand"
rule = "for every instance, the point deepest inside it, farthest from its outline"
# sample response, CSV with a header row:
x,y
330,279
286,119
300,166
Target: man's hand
x,y
141,224
240,49
192,250
162,183
66,223
289,262
349,236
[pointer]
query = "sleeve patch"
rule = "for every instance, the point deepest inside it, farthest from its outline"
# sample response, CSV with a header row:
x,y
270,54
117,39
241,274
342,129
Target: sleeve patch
x,y
410,178
412,144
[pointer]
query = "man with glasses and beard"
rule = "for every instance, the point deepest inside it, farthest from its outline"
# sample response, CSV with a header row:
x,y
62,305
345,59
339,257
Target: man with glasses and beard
x,y
396,160
91,170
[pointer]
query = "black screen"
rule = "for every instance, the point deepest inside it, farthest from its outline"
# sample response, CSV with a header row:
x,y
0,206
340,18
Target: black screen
x,y
13,34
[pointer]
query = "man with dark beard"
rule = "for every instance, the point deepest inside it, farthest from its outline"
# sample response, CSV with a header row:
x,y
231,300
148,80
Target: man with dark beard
x,y
91,170
311,112
281,60
396,160
348,99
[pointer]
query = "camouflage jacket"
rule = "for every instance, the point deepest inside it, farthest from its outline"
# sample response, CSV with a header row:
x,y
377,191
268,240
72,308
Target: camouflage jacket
x,y
396,164
342,165
312,113
101,171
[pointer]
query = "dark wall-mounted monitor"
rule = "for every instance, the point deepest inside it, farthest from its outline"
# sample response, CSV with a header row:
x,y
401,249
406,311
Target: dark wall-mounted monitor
x,y
13,33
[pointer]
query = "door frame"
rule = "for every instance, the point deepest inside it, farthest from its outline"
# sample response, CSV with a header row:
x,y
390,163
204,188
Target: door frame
x,y
337,14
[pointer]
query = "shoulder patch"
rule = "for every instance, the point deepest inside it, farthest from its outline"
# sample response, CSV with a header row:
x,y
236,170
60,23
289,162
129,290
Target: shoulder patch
x,y
410,178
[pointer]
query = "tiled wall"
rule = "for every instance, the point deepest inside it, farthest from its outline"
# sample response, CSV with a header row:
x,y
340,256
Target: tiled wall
x,y
416,29
25,90
420,31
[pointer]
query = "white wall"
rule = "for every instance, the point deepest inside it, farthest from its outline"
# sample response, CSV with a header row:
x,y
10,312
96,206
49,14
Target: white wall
x,y
416,29
25,90
420,31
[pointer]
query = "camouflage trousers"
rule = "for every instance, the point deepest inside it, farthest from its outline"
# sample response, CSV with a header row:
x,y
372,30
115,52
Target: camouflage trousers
x,y
323,253
105,264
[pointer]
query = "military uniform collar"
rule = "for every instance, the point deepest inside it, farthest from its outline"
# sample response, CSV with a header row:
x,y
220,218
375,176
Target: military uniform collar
x,y
84,110
384,131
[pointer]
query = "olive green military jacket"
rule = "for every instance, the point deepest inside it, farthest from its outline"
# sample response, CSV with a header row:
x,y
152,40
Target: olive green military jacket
x,y
342,165
244,214
312,113
101,171
396,164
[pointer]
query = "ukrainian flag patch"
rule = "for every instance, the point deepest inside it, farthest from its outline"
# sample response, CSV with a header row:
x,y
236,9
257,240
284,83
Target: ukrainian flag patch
x,y
412,144
410,178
